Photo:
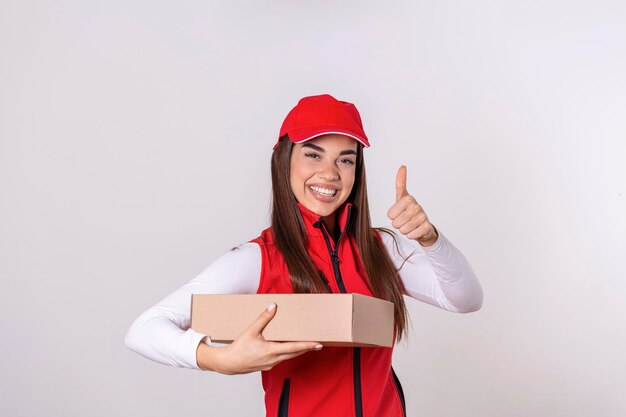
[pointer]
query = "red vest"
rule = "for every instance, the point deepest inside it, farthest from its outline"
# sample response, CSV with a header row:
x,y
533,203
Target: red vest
x,y
336,381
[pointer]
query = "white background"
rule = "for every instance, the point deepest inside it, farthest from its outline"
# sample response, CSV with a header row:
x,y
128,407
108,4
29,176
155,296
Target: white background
x,y
135,147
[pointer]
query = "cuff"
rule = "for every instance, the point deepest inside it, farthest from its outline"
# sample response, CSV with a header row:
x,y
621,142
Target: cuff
x,y
435,247
194,339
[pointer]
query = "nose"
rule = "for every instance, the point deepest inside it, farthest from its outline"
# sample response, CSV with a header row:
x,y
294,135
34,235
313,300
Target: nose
x,y
328,171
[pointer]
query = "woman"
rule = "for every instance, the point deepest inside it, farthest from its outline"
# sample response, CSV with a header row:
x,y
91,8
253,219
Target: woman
x,y
320,240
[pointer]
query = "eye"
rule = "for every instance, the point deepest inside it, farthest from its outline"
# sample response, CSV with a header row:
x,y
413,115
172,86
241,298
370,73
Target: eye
x,y
312,155
347,161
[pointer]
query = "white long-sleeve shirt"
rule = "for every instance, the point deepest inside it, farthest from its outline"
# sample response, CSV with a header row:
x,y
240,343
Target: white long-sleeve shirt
x,y
438,275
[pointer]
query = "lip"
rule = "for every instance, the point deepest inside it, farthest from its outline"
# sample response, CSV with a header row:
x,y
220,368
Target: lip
x,y
327,186
320,197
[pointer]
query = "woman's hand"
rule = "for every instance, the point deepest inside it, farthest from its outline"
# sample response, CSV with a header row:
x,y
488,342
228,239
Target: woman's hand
x,y
250,352
408,216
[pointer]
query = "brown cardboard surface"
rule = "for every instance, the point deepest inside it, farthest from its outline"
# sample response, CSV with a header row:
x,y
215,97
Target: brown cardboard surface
x,y
331,319
372,321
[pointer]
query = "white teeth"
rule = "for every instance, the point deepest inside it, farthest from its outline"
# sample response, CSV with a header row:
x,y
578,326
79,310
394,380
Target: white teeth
x,y
323,191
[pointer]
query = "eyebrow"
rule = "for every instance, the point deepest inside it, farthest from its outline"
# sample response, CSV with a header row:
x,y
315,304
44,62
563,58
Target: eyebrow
x,y
319,149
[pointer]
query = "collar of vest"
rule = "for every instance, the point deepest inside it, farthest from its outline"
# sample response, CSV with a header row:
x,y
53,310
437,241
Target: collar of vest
x,y
310,218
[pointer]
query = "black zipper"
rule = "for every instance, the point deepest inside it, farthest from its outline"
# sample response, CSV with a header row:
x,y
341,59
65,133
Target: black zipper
x,y
396,382
333,252
356,357
283,402
358,400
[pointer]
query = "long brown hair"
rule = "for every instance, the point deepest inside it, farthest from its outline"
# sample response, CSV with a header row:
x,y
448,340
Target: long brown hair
x,y
290,236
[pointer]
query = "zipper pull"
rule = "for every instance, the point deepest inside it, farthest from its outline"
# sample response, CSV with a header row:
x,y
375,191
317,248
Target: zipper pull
x,y
335,257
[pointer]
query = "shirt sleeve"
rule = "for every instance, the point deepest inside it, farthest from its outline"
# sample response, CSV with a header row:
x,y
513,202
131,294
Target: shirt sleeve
x,y
162,333
438,275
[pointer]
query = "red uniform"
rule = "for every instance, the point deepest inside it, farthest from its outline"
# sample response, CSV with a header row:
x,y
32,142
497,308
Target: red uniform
x,y
336,381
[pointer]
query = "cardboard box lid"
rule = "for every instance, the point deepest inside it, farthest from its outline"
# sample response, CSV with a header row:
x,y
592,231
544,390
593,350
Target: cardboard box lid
x,y
331,319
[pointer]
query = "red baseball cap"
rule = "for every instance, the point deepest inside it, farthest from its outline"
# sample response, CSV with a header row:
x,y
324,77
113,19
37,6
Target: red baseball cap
x,y
315,116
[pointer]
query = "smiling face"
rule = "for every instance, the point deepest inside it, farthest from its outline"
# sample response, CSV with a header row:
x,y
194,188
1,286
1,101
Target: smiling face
x,y
322,173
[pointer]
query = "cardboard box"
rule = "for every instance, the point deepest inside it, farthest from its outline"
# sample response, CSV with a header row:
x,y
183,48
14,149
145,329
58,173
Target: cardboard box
x,y
331,319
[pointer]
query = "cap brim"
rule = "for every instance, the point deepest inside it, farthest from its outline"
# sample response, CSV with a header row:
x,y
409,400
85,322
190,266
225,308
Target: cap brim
x,y
303,135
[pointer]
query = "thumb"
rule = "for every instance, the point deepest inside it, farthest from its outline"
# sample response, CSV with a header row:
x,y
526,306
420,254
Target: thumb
x,y
264,318
401,183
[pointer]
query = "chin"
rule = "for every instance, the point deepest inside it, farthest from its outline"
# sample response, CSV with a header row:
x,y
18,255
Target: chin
x,y
323,210
324,213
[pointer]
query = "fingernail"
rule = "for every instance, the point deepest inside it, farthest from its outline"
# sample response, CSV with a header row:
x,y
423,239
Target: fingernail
x,y
271,307
318,347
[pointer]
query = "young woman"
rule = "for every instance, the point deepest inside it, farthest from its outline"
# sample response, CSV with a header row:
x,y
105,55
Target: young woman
x,y
320,240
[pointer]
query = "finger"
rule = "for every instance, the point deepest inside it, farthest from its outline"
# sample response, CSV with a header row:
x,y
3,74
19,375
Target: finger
x,y
265,317
280,358
408,215
411,225
401,206
407,206
281,348
286,356
401,183
422,232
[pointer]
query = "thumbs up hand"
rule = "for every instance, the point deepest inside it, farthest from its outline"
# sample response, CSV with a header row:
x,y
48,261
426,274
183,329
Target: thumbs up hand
x,y
407,215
